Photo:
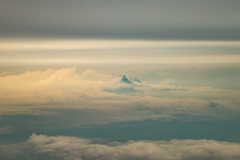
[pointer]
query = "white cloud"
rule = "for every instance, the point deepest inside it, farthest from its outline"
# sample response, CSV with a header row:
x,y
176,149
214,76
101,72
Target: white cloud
x,y
67,148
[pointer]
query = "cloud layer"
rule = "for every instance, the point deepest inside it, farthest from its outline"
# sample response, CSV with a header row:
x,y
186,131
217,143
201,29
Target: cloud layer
x,y
39,147
54,90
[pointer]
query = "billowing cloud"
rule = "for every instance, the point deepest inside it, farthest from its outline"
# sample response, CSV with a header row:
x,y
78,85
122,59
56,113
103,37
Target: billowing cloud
x,y
72,148
65,84
47,92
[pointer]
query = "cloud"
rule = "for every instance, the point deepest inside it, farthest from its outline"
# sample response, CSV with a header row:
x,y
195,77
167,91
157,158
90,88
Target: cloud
x,y
51,86
44,93
63,148
86,45
213,104
64,85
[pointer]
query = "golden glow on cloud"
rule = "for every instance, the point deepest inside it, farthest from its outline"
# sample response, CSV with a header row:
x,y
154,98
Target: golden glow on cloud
x,y
106,44
131,60
118,51
95,90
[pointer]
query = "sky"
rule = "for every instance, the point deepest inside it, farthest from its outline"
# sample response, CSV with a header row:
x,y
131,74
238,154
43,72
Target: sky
x,y
63,94
115,19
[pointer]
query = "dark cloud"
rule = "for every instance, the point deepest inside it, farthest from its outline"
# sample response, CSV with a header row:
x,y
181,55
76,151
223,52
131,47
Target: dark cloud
x,y
134,19
72,148
213,104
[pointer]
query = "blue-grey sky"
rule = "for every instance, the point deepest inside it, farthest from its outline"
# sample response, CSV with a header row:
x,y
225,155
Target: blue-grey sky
x,y
122,19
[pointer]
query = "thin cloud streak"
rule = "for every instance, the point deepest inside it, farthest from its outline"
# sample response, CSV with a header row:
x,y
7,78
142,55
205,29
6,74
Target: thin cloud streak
x,y
6,45
127,60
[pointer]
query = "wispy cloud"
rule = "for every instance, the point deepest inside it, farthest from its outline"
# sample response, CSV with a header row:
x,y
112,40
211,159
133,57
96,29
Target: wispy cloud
x,y
69,44
118,51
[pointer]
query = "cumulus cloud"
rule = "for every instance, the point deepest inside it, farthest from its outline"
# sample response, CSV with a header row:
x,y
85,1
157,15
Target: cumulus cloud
x,y
46,92
66,85
72,148
50,86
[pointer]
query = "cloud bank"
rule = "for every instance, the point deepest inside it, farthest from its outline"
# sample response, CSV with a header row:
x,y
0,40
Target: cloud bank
x,y
48,92
65,84
39,147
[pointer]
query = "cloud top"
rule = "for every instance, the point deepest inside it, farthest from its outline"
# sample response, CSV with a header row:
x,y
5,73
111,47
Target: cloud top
x,y
43,147
65,89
